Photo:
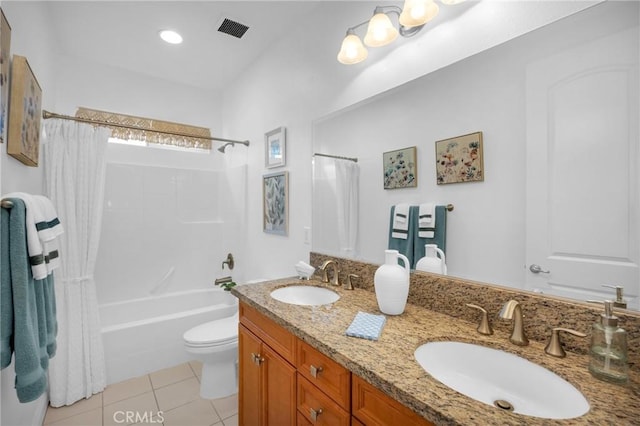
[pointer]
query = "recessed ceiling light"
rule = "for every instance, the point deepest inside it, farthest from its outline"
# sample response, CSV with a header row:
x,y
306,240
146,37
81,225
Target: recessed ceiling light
x,y
171,37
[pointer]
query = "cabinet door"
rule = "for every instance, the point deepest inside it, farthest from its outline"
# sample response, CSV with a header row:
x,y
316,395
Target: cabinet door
x,y
278,389
249,347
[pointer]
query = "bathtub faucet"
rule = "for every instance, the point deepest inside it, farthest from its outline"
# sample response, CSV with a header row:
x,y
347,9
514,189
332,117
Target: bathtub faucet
x,y
229,262
223,280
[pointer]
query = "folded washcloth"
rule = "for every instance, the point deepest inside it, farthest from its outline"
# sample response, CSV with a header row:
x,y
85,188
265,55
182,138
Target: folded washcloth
x,y
427,220
401,222
34,245
366,326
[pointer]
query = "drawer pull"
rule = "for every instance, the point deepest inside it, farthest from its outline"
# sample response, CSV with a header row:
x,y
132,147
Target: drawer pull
x,y
315,371
315,413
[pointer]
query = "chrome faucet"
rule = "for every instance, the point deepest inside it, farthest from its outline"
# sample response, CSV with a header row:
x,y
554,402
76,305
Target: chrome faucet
x,y
517,333
323,268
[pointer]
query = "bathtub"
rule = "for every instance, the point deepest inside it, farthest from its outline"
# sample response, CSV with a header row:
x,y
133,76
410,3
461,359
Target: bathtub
x,y
145,335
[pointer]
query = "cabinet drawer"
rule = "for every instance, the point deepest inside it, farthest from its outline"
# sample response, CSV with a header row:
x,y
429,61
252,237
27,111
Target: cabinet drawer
x,y
326,374
281,340
311,400
372,407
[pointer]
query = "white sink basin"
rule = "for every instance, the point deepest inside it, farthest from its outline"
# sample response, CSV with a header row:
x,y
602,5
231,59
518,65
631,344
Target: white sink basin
x,y
305,295
502,379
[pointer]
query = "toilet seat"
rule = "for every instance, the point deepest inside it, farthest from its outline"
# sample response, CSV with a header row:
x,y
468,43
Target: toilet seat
x,y
213,333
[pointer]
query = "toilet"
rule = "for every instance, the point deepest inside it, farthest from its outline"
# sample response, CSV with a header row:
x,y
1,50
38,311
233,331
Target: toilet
x,y
215,343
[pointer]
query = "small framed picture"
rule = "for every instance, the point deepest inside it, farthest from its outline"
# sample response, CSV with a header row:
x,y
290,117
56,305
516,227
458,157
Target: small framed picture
x,y
400,168
460,159
25,112
275,148
275,203
5,59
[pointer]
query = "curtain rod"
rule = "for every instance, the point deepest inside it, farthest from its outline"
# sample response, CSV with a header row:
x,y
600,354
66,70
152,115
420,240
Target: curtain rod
x,y
47,115
355,160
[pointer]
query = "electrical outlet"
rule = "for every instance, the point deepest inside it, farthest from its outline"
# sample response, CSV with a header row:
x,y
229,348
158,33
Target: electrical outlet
x,y
307,235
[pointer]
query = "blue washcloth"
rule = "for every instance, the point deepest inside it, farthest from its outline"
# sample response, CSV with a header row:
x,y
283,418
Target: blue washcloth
x,y
366,326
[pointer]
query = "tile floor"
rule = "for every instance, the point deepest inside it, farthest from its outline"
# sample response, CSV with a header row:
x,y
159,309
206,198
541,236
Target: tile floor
x,y
169,397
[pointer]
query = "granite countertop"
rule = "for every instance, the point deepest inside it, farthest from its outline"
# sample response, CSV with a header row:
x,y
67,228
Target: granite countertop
x,y
389,363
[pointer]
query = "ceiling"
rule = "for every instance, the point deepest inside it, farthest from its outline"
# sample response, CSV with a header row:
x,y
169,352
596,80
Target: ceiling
x,y
125,34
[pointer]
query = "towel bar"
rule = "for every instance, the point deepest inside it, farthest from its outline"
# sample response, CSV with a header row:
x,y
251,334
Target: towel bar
x,y
6,204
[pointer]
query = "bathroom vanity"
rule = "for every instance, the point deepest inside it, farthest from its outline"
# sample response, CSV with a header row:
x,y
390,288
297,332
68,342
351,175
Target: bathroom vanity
x,y
297,366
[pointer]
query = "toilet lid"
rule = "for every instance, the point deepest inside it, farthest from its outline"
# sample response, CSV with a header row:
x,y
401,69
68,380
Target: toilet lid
x,y
216,332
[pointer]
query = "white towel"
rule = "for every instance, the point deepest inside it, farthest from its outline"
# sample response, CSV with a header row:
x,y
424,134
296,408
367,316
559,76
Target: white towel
x,y
400,222
50,227
427,220
34,245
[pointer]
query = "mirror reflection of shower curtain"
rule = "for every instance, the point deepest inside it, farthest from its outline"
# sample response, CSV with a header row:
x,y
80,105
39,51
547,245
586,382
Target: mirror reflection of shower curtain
x,y
335,206
347,186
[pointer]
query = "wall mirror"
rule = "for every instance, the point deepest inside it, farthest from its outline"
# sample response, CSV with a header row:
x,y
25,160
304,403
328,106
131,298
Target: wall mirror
x,y
558,108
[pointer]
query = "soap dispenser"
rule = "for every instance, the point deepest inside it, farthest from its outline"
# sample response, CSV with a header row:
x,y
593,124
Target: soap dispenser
x,y
608,353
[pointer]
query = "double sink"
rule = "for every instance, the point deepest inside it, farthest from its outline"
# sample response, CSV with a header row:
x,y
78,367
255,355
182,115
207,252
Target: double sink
x,y
487,375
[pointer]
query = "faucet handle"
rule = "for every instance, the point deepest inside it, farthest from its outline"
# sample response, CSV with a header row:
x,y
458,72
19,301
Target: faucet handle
x,y
484,327
554,347
349,285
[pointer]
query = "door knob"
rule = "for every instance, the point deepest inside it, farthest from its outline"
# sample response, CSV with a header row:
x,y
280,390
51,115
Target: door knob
x,y
537,269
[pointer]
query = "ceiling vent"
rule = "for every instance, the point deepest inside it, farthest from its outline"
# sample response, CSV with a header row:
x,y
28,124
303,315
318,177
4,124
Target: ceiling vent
x,y
233,28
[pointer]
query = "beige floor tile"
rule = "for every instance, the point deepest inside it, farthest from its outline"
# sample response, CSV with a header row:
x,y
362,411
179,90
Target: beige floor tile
x,y
88,418
178,394
126,389
226,407
171,375
196,366
196,413
131,410
84,405
231,421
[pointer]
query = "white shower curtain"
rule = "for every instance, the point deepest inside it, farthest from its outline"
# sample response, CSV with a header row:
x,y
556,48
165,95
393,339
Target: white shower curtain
x,y
74,163
347,189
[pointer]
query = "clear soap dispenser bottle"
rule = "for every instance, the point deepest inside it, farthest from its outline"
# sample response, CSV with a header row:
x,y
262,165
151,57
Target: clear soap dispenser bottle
x,y
608,354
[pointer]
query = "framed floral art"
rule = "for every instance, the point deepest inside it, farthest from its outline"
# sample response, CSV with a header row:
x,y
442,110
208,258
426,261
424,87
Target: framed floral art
x,y
460,159
275,203
400,168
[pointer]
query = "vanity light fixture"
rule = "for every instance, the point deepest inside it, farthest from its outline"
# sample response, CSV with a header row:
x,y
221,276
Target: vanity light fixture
x,y
382,31
170,36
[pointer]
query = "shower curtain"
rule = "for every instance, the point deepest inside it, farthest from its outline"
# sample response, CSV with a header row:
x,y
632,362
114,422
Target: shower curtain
x,y
74,163
336,184
347,186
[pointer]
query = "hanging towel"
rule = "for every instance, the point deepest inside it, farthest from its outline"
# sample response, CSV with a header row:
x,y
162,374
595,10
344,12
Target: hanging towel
x,y
34,245
400,227
366,326
49,228
426,220
439,238
32,336
404,246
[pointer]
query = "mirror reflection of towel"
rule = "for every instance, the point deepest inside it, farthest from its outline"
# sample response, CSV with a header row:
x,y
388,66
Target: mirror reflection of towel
x,y
427,220
400,222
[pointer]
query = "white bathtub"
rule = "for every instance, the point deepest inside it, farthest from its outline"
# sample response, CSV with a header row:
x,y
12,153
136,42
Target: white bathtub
x,y
144,335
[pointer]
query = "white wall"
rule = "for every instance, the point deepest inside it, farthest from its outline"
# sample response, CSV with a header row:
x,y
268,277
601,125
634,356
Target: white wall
x,y
299,81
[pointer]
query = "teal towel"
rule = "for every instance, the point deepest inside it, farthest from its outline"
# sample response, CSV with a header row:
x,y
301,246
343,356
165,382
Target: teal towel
x,y
404,246
6,297
366,326
29,334
439,237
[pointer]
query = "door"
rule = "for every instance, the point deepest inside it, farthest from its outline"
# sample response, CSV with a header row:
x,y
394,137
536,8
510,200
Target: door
x,y
582,169
249,377
278,389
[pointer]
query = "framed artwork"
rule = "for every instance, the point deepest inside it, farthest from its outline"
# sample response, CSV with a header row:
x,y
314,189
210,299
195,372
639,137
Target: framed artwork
x,y
460,159
5,58
275,203
400,168
275,148
25,112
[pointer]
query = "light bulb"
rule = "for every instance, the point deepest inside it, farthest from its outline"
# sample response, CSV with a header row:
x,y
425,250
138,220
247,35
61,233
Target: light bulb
x,y
352,51
380,31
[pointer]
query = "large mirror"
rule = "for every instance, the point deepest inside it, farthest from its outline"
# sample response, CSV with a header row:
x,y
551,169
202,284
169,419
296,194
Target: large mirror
x,y
558,111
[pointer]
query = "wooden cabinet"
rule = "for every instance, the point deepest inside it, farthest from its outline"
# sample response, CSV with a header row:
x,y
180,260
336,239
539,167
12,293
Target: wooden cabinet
x,y
267,381
372,407
285,381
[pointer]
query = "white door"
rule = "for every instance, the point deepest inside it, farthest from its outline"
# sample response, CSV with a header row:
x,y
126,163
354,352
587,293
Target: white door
x,y
582,170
